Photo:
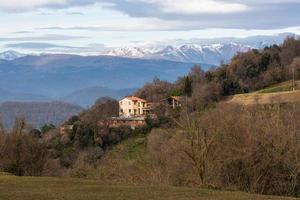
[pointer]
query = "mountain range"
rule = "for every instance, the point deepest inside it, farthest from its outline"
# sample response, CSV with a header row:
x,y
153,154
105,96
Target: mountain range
x,y
81,80
88,96
210,54
63,77
37,113
11,55
210,51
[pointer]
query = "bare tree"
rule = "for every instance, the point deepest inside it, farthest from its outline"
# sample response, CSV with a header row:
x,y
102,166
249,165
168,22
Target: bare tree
x,y
197,143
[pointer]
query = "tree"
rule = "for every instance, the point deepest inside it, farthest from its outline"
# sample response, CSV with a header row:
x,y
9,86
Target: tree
x,y
36,133
196,142
156,91
289,50
73,120
187,90
293,70
47,127
16,159
1,128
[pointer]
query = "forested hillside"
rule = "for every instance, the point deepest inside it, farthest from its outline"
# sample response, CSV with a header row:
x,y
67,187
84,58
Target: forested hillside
x,y
247,72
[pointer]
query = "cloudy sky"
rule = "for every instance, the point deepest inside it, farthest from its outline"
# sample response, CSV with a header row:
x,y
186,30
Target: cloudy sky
x,y
91,26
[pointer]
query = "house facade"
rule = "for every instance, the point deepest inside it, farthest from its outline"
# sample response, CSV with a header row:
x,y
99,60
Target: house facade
x,y
133,106
65,129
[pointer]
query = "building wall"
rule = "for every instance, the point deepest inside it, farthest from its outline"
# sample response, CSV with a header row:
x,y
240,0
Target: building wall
x,y
129,108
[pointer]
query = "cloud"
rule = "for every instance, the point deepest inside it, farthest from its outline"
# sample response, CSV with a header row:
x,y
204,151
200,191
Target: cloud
x,y
197,6
22,32
181,14
73,13
47,37
116,28
35,45
201,14
54,48
136,26
28,5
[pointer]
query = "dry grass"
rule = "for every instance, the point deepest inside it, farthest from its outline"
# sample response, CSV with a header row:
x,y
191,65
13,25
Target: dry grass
x,y
30,188
279,93
265,98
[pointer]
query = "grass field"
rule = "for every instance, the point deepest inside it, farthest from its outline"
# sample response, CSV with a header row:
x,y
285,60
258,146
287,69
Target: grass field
x,y
279,93
281,87
30,188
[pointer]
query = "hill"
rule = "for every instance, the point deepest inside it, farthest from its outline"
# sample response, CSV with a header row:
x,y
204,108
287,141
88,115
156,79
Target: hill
x,y
30,188
6,95
37,113
58,75
278,93
87,97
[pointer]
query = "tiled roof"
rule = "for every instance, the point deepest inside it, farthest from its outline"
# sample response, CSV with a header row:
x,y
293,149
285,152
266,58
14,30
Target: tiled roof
x,y
177,98
133,98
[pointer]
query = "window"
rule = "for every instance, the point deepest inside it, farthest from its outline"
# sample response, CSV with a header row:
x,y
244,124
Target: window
x,y
121,111
135,111
129,110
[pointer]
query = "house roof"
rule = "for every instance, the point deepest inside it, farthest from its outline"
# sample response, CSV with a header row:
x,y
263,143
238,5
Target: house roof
x,y
177,98
133,98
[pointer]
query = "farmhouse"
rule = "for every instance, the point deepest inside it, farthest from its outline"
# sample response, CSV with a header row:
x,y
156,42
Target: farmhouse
x,y
132,113
133,107
65,129
175,101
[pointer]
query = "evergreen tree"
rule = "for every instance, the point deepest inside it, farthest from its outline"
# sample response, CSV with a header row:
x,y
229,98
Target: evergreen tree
x,y
187,86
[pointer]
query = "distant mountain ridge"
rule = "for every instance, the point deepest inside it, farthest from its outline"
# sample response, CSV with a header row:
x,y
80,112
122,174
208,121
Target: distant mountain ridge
x,y
201,50
211,51
37,113
6,95
55,76
211,54
10,55
88,96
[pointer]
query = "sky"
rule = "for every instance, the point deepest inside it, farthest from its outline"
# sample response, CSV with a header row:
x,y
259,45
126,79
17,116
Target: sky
x,y
95,26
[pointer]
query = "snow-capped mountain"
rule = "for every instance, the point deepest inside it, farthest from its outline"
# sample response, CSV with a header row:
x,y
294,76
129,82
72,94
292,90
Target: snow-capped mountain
x,y
134,52
210,51
210,54
10,55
